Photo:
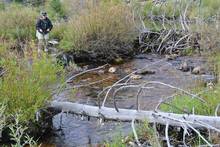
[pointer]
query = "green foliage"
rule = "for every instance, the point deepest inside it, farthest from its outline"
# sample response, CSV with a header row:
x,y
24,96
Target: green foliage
x,y
58,31
144,132
190,104
117,142
100,27
19,136
2,6
56,9
26,88
18,23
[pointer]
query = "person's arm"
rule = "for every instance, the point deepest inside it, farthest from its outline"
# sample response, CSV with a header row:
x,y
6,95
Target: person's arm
x,y
38,26
50,25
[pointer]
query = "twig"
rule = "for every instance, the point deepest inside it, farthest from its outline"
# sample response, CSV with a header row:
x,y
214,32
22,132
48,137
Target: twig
x,y
86,85
167,135
127,77
199,134
164,100
86,71
74,76
134,132
123,87
216,110
173,87
2,73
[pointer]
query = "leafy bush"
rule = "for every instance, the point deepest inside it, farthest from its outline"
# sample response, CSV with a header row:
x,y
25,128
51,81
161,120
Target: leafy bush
x,y
56,9
25,88
107,28
17,22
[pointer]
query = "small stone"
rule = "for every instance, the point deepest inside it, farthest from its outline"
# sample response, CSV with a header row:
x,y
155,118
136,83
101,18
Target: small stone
x,y
131,143
198,70
128,70
145,71
118,60
53,42
101,71
184,67
171,57
135,77
112,69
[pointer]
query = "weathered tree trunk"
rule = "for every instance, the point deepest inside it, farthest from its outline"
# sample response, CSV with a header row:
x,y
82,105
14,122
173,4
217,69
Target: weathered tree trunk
x,y
128,115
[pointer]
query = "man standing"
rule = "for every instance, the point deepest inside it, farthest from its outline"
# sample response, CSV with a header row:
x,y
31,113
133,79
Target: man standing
x,y
43,27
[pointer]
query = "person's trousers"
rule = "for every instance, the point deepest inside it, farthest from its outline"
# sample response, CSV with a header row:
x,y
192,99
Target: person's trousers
x,y
42,41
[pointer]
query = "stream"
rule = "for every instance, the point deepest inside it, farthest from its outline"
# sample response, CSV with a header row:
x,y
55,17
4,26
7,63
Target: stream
x,y
71,130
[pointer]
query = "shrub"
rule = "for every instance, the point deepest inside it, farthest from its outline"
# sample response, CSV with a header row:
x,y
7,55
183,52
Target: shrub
x,y
17,22
56,9
107,29
25,88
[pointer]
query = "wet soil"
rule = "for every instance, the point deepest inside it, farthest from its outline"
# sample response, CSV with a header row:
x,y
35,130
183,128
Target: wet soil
x,y
78,131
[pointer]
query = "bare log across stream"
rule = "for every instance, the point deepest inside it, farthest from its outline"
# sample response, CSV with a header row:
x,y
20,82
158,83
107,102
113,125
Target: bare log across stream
x,y
197,121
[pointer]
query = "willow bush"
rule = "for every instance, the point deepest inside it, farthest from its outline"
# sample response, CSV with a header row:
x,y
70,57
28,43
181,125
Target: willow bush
x,y
25,88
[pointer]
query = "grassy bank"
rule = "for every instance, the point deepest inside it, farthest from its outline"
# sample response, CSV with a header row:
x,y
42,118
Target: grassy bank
x,y
17,23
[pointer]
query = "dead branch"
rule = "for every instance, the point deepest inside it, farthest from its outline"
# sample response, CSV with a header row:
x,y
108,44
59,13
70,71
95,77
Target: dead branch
x,y
76,75
127,76
129,115
134,132
216,110
167,136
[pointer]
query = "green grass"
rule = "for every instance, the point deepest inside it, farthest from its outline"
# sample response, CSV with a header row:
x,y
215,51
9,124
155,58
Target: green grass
x,y
187,103
18,23
144,132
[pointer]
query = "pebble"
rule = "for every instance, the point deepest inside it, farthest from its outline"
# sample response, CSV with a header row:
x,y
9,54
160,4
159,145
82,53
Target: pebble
x,y
184,67
112,69
135,77
145,71
171,57
198,70
101,71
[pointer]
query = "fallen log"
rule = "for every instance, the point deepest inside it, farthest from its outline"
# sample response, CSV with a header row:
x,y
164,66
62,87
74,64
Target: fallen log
x,y
197,121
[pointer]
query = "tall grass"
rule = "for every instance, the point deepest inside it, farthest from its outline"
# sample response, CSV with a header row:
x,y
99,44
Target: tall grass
x,y
55,9
17,22
99,27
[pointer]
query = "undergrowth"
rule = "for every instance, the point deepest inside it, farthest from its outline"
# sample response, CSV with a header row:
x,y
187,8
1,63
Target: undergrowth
x,y
24,87
17,23
105,26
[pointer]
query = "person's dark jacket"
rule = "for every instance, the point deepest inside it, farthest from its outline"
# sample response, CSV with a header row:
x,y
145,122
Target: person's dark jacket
x,y
44,24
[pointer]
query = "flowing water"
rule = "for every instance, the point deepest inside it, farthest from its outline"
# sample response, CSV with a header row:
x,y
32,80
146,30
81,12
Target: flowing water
x,y
71,130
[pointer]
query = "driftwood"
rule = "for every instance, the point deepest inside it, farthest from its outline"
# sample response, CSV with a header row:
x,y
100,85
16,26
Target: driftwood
x,y
168,41
210,122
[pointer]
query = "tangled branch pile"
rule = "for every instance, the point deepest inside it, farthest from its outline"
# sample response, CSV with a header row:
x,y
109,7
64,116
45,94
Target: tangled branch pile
x,y
168,41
